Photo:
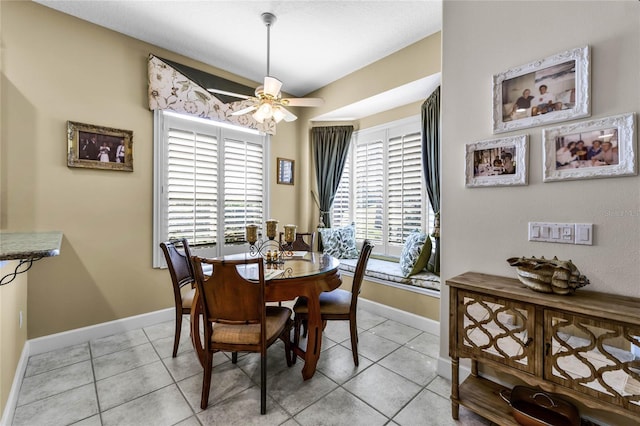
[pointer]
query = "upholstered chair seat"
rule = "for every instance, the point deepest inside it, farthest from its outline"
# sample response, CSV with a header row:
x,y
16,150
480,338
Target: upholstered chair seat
x,y
337,304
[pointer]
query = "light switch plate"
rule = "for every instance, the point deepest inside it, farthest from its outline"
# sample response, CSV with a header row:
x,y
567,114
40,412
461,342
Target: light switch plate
x,y
584,233
564,233
552,232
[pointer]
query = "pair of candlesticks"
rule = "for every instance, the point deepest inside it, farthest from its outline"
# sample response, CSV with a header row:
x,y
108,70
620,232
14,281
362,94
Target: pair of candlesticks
x,y
270,246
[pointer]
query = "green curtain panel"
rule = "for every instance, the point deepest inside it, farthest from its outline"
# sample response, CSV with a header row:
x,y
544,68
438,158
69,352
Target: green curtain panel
x,y
330,147
431,165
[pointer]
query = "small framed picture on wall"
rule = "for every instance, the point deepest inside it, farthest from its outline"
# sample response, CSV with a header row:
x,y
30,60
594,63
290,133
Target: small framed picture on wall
x,y
605,147
285,171
497,162
96,147
544,91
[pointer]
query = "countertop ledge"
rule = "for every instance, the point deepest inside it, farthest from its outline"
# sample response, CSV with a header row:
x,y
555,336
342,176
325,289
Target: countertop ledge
x,y
29,245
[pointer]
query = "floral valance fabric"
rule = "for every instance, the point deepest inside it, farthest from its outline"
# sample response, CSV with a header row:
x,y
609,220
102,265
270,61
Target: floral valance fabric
x,y
171,90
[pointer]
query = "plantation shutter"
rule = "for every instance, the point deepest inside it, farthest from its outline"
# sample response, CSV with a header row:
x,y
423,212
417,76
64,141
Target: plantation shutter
x,y
192,186
369,190
385,193
404,187
341,201
243,187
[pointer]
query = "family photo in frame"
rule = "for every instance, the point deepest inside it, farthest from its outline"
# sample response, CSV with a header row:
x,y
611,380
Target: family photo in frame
x,y
545,91
497,162
591,149
97,147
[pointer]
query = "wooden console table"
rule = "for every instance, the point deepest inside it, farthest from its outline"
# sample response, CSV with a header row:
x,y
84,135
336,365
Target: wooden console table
x,y
584,346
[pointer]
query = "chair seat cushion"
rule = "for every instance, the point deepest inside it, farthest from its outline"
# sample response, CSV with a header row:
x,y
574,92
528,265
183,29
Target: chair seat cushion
x,y
331,303
386,270
249,334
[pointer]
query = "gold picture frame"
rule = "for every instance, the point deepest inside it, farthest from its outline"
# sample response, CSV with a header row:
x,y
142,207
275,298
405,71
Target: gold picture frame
x,y
285,171
98,147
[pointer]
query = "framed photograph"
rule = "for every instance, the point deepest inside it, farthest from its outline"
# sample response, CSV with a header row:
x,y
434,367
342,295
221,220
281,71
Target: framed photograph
x,y
96,147
285,171
497,162
545,91
600,148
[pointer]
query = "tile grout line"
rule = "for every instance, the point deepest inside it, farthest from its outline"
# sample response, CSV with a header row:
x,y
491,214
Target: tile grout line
x,y
389,419
95,382
173,379
344,344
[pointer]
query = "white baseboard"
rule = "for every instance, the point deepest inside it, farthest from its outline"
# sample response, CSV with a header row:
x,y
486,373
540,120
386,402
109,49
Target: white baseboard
x,y
407,318
79,335
12,400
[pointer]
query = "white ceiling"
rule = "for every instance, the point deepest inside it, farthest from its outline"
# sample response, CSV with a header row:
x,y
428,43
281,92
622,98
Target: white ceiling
x,y
313,43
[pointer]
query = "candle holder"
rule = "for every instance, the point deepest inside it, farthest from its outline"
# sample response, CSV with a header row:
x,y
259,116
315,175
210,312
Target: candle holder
x,y
289,234
252,233
272,228
270,249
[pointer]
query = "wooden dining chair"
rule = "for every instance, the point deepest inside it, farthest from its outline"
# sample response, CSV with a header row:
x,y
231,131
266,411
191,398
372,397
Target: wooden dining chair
x,y
299,244
236,318
337,304
182,275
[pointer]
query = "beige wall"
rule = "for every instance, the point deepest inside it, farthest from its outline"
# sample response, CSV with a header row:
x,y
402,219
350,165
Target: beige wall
x,y
57,68
481,227
13,301
405,300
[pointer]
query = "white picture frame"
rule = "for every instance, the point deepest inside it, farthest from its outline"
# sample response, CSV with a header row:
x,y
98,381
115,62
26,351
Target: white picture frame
x,y
566,78
483,168
619,160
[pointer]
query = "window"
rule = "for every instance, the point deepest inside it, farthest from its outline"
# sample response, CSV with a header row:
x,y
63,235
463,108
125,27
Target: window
x,y
385,194
340,211
209,183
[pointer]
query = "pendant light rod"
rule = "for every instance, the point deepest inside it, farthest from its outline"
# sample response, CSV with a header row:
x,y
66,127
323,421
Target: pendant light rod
x,y
269,19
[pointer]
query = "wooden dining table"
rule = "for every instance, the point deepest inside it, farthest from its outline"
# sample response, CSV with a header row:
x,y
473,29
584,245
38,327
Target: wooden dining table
x,y
303,275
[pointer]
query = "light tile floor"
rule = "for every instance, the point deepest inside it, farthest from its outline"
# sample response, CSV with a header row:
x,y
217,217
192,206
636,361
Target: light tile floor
x,y
131,379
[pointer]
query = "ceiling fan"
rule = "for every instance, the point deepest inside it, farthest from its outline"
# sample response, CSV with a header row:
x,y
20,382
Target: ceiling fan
x,y
268,102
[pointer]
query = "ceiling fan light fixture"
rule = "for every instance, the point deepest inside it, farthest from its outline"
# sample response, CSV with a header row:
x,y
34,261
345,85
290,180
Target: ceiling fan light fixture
x,y
268,103
278,114
258,117
264,111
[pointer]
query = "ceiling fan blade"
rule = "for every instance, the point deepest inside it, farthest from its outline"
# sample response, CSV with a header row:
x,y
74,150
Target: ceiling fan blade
x,y
224,92
245,110
288,116
272,86
303,102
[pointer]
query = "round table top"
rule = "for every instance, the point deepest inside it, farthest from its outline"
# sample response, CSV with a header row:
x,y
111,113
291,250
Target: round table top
x,y
301,264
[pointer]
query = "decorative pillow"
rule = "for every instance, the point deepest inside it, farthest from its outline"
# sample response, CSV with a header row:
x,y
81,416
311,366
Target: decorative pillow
x,y
415,253
340,242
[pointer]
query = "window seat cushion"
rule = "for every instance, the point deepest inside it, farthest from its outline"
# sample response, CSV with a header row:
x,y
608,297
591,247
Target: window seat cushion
x,y
386,270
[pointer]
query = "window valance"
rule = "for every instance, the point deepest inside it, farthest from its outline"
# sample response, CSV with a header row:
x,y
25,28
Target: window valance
x,y
180,89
